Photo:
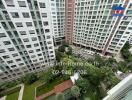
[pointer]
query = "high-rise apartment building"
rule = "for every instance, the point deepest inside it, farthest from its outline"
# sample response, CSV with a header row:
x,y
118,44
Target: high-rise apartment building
x,y
94,26
26,43
29,27
58,20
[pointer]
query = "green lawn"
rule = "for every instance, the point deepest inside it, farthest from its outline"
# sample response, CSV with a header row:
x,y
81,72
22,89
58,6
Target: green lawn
x,y
29,90
13,96
48,86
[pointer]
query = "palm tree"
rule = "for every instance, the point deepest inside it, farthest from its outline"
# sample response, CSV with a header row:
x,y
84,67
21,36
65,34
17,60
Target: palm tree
x,y
59,96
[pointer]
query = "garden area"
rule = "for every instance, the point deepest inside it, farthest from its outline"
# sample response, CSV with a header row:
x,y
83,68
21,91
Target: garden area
x,y
87,87
11,94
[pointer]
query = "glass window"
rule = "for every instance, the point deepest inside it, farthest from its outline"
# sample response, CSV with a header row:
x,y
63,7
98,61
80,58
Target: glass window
x,y
2,35
22,32
14,14
7,42
31,32
44,15
10,3
22,3
25,15
29,24
2,51
42,5
6,56
19,24
45,23
11,49
34,38
26,40
47,30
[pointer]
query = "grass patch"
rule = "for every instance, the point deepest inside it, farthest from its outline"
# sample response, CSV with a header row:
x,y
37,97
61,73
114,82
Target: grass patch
x,y
48,86
29,90
12,94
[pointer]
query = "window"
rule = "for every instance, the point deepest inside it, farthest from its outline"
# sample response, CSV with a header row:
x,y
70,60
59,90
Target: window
x,y
47,30
2,51
42,5
33,56
29,24
28,46
15,54
40,54
46,23
26,40
19,24
2,35
37,50
14,15
25,15
21,64
23,32
18,59
44,15
36,44
22,3
50,47
11,49
49,42
34,38
30,51
7,42
9,3
11,61
48,37
31,32
6,56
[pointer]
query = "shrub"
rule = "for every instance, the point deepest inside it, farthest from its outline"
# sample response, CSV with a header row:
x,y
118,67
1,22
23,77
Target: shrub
x,y
59,96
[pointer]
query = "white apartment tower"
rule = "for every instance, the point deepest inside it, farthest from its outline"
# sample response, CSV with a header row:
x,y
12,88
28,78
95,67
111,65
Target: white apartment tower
x,y
94,26
26,43
58,20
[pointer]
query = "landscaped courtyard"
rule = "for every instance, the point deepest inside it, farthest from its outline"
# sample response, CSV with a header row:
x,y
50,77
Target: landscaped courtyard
x,y
89,86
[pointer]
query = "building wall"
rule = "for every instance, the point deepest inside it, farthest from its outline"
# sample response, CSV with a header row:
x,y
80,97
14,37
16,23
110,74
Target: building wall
x,y
69,21
97,29
58,20
26,37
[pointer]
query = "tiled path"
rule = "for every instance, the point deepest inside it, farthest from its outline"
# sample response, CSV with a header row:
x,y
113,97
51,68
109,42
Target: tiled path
x,y
58,88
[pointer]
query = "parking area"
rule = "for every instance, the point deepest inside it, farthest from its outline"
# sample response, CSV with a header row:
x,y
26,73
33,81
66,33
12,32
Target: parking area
x,y
82,53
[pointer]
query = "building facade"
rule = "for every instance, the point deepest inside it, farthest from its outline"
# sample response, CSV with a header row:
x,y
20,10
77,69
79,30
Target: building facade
x,y
122,91
26,43
96,29
58,20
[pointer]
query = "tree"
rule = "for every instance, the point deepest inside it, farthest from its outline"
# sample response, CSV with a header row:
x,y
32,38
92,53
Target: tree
x,y
69,52
61,48
48,75
29,78
87,98
59,56
75,91
59,96
82,83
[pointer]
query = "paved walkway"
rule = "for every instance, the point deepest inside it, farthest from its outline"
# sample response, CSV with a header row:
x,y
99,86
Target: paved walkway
x,y
58,88
3,98
21,92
